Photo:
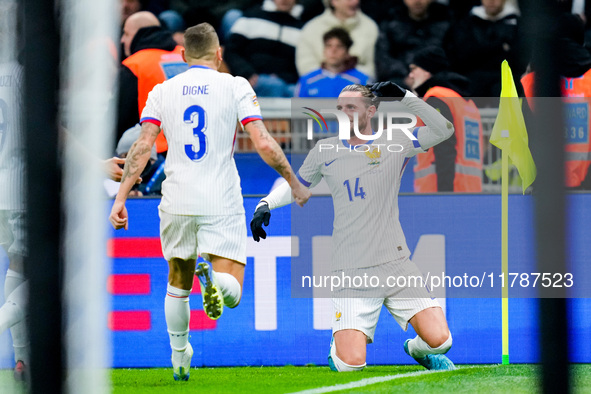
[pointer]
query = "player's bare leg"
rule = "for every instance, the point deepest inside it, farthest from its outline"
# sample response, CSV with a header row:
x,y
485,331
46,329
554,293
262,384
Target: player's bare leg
x,y
348,351
229,275
432,341
180,273
177,312
430,324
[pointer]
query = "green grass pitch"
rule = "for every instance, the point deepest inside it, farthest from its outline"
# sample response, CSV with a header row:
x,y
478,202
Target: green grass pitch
x,y
516,378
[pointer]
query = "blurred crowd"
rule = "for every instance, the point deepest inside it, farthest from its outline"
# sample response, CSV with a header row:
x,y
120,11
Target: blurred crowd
x,y
313,48
277,44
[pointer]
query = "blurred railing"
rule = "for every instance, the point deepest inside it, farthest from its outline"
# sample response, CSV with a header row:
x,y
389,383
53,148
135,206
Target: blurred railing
x,y
290,133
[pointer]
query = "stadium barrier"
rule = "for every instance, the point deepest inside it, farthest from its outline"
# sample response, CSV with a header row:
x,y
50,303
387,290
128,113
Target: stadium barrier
x,y
271,327
278,118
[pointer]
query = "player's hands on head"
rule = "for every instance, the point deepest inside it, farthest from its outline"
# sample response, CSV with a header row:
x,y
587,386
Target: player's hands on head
x,y
118,217
261,216
387,90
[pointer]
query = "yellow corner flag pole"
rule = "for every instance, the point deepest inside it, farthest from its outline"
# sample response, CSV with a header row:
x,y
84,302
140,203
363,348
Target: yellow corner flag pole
x,y
505,250
509,135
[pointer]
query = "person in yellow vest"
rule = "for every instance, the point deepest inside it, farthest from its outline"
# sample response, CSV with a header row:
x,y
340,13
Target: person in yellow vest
x,y
455,164
575,69
152,57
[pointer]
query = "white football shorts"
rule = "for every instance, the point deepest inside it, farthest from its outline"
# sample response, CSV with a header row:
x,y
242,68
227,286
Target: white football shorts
x,y
362,313
186,237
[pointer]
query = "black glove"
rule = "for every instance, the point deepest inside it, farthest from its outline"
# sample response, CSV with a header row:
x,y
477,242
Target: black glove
x,y
387,90
261,215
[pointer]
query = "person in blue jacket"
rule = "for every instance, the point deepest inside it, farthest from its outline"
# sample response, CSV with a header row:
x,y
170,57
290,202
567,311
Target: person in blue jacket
x,y
337,71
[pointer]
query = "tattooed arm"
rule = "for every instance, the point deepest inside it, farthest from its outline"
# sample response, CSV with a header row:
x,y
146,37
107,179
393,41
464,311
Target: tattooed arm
x,y
136,161
272,154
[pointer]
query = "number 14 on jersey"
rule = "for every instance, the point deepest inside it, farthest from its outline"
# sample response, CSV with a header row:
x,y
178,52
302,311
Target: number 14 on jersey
x,y
358,190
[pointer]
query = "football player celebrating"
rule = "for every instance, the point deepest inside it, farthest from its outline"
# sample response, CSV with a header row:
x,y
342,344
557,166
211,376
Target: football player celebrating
x,y
363,174
201,211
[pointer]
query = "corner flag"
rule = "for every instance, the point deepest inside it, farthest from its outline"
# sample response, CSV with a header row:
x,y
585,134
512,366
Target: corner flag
x,y
509,133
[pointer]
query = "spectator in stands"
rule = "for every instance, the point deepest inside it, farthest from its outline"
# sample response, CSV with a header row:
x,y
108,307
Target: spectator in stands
x,y
156,7
212,11
153,174
456,163
417,24
173,22
170,20
460,8
337,71
312,8
129,7
574,65
304,10
477,45
379,10
582,8
261,49
153,57
345,14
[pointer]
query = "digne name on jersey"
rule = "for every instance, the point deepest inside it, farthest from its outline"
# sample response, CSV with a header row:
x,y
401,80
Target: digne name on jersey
x,y
195,90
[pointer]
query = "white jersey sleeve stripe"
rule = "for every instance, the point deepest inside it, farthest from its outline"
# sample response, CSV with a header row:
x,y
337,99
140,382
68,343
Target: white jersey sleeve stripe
x,y
151,120
303,181
249,119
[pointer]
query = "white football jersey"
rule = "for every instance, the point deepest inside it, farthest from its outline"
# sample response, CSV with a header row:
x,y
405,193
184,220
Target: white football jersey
x,y
364,182
12,157
197,111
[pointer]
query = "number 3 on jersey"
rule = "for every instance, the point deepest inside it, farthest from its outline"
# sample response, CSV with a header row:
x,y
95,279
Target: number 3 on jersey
x,y
358,190
195,115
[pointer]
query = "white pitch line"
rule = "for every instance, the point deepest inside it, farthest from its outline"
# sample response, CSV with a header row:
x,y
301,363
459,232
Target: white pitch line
x,y
378,379
364,382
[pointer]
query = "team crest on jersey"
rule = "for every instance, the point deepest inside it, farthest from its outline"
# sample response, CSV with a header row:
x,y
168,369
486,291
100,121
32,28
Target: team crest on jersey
x,y
374,157
338,316
255,101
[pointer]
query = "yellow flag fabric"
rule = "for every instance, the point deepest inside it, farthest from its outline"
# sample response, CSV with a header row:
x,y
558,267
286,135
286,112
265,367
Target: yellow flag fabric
x,y
509,133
